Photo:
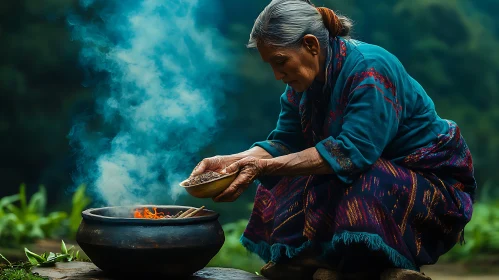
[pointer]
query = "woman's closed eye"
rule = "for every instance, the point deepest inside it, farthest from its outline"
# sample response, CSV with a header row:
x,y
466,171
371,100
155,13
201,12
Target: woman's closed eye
x,y
281,61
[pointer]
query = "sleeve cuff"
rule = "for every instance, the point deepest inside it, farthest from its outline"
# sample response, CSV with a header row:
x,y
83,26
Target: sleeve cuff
x,y
273,147
342,165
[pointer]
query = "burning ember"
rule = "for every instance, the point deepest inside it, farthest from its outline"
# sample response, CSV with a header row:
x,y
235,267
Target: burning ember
x,y
145,213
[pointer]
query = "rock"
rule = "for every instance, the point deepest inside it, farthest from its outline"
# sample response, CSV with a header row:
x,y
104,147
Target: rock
x,y
402,274
71,271
220,273
88,271
325,274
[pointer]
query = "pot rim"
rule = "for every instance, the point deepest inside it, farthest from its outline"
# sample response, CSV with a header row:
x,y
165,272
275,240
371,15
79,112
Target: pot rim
x,y
89,215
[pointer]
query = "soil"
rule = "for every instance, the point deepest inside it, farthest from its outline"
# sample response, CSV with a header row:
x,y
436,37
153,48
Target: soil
x,y
205,177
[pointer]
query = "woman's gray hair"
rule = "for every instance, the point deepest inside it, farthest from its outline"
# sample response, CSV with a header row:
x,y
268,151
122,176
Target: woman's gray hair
x,y
283,23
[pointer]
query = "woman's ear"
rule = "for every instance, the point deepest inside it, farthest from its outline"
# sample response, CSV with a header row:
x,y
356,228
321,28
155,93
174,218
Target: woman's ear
x,y
311,44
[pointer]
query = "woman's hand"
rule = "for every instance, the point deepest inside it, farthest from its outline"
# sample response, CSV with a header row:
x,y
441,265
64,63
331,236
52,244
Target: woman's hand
x,y
216,164
249,169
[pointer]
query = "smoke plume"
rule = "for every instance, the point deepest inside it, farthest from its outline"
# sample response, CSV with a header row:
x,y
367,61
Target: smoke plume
x,y
157,79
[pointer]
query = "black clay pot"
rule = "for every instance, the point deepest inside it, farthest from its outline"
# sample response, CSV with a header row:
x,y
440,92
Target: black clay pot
x,y
120,244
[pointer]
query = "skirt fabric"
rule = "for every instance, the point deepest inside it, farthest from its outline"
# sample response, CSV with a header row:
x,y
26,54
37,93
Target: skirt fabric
x,y
409,211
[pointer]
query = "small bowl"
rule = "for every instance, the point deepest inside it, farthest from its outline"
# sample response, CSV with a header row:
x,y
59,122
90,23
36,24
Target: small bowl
x,y
210,188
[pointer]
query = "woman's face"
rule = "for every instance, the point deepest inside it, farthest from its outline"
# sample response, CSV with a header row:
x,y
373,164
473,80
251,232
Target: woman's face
x,y
297,67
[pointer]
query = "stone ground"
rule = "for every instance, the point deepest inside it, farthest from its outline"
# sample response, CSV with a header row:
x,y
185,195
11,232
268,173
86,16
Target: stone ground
x,y
455,272
88,271
436,272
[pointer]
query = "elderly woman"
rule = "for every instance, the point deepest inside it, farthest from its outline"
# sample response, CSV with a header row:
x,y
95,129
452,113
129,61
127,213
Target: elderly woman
x,y
360,172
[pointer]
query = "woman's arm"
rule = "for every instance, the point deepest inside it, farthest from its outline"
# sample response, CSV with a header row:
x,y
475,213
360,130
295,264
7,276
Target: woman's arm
x,y
256,152
218,163
306,162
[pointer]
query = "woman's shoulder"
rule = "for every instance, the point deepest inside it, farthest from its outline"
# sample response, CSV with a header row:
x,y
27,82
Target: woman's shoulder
x,y
366,50
365,55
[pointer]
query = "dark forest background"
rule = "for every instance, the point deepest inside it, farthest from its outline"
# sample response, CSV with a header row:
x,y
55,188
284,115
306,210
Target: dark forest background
x,y
450,47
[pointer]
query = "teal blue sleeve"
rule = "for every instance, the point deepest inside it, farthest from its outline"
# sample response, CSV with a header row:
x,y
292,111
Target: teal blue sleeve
x,y
370,122
287,137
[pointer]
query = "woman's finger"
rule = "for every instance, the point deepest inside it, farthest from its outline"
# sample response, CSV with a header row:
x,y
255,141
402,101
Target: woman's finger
x,y
231,168
231,194
232,189
237,194
200,167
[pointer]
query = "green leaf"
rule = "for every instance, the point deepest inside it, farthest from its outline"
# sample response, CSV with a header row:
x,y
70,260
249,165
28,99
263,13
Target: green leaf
x,y
51,256
35,232
7,224
16,211
38,202
64,250
5,259
22,197
33,258
80,202
77,255
60,258
8,200
56,217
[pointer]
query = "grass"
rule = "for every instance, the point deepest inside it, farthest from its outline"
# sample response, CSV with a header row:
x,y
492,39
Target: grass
x,y
18,274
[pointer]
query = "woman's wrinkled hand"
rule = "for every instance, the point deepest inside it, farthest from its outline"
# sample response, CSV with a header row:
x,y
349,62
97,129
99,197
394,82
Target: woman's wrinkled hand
x,y
249,169
216,164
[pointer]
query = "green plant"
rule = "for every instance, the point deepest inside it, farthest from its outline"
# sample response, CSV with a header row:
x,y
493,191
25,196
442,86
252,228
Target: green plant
x,y
482,232
22,270
49,259
18,274
23,221
233,254
27,221
79,202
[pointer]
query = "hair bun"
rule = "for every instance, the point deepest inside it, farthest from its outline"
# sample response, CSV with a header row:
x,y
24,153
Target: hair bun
x,y
331,21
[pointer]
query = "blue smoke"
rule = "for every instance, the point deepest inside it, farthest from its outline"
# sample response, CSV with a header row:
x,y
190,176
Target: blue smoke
x,y
157,76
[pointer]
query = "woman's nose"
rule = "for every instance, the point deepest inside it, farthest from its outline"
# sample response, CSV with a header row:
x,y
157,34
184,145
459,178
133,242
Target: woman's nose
x,y
278,75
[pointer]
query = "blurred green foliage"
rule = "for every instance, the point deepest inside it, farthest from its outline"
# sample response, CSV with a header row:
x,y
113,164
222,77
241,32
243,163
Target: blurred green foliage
x,y
482,232
79,203
233,254
27,221
23,221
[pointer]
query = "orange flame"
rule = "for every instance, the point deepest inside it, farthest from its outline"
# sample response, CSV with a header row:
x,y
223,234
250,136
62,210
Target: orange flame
x,y
145,213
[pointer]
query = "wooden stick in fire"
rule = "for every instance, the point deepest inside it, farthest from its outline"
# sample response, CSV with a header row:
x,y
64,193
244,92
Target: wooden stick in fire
x,y
190,212
186,212
178,214
193,213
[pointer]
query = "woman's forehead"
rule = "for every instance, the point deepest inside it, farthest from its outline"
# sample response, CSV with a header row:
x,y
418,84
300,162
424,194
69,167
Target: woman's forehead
x,y
269,52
